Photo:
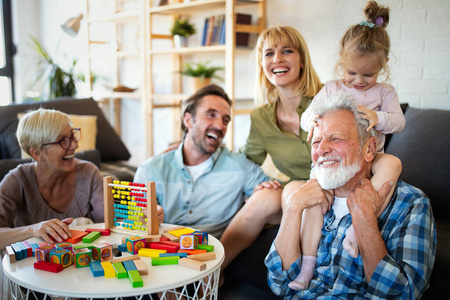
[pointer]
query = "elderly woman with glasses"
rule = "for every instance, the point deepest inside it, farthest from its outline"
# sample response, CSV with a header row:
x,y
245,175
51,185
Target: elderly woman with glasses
x,y
41,198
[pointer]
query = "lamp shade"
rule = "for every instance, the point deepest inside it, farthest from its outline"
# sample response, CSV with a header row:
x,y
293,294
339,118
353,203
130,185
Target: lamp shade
x,y
72,26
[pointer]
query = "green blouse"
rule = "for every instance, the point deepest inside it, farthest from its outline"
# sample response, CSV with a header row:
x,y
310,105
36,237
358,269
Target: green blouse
x,y
291,154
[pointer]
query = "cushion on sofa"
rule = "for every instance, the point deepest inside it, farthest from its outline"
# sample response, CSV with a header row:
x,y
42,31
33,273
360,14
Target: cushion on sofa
x,y
108,142
423,147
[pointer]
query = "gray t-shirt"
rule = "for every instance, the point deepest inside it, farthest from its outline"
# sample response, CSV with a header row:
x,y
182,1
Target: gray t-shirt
x,y
21,202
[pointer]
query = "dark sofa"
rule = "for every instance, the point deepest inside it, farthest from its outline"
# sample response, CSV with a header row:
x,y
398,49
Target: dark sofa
x,y
110,154
423,147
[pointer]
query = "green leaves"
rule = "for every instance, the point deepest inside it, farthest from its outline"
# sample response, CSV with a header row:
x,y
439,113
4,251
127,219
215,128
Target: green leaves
x,y
182,27
201,70
61,83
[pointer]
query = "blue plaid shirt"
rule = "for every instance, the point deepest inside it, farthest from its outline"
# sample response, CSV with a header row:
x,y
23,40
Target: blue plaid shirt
x,y
408,229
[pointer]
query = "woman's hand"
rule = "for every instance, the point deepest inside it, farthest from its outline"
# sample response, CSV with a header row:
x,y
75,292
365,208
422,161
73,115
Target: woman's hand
x,y
160,213
369,115
272,184
53,230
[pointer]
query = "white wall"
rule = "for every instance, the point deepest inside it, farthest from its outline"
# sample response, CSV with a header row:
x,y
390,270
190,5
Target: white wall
x,y
420,62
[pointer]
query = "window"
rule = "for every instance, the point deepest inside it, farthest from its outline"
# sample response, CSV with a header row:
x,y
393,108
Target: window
x,y
7,51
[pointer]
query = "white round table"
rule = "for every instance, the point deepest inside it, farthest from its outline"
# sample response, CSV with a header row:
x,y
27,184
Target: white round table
x,y
80,283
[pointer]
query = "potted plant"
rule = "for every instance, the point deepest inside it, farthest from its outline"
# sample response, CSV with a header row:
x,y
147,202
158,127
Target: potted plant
x,y
181,29
61,83
201,73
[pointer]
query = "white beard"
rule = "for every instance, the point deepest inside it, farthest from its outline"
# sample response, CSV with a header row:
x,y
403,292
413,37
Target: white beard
x,y
332,178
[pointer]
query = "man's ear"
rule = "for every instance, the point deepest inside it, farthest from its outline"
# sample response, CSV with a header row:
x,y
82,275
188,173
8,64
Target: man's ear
x,y
36,155
188,120
370,149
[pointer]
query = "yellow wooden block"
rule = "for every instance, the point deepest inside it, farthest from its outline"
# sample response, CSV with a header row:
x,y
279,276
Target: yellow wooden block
x,y
180,232
109,269
150,252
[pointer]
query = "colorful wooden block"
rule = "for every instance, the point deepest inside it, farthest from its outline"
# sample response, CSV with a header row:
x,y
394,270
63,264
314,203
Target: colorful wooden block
x,y
22,249
187,241
97,269
12,255
82,257
171,237
208,248
192,252
48,266
108,269
129,265
173,254
122,247
28,248
61,256
34,246
134,244
181,232
90,237
135,279
42,253
102,252
103,232
17,251
169,248
203,256
161,261
150,252
201,237
77,236
125,258
67,246
174,228
141,266
120,270
192,264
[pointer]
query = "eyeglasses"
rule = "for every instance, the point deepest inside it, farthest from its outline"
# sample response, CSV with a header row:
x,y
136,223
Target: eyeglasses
x,y
66,142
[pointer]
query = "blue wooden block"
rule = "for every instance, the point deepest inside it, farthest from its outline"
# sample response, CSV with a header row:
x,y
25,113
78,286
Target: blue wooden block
x,y
22,249
97,269
33,247
129,265
181,255
122,247
17,251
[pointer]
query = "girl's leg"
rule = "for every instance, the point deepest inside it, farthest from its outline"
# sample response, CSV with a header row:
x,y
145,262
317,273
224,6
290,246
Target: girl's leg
x,y
311,232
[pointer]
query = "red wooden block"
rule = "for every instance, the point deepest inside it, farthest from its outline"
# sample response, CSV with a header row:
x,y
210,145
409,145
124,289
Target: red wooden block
x,y
28,247
48,266
169,248
163,239
170,243
77,236
102,231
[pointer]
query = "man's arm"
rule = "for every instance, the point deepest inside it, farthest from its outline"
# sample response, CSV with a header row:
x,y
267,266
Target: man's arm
x,y
408,240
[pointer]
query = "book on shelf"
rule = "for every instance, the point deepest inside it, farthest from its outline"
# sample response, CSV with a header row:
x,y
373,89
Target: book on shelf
x,y
209,31
214,31
242,38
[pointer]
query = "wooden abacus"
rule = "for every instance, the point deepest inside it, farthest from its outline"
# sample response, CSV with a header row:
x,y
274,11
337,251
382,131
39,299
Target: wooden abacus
x,y
125,207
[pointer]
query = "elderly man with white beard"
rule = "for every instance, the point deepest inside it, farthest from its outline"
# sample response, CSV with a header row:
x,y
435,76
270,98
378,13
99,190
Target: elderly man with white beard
x,y
397,250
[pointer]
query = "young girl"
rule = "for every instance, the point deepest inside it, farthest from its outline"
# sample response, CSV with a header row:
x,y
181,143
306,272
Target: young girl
x,y
364,51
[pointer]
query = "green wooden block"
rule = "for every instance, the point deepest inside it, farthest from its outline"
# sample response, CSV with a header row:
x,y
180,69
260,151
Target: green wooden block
x,y
120,270
135,279
208,248
89,246
162,261
91,237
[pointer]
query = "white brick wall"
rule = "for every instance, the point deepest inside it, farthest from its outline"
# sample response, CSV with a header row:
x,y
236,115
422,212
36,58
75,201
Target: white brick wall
x,y
419,31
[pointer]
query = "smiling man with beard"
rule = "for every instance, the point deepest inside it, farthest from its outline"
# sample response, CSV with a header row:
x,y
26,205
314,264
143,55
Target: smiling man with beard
x,y
397,251
201,184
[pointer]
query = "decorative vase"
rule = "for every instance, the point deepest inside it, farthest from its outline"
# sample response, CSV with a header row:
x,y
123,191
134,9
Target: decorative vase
x,y
180,41
200,82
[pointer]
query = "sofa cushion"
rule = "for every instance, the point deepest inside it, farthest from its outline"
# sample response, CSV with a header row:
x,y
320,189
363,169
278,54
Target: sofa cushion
x,y
423,147
108,142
